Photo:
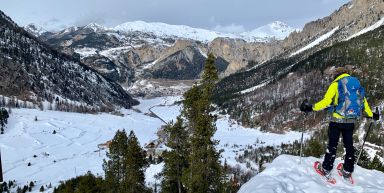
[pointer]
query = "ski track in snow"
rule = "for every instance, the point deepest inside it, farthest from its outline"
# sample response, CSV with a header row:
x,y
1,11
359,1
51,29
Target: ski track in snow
x,y
73,150
286,175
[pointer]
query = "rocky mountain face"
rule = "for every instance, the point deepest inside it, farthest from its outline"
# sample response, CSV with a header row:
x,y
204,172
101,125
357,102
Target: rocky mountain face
x,y
31,70
348,19
268,94
135,51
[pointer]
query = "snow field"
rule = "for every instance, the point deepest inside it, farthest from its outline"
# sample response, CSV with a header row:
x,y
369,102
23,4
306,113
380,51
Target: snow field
x,y
73,150
286,175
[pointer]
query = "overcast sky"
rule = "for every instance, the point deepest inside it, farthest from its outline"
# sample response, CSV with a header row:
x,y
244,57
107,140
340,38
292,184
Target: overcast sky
x,y
220,15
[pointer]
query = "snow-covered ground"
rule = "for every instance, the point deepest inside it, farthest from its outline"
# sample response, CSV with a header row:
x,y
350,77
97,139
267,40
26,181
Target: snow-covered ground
x,y
73,150
286,175
86,52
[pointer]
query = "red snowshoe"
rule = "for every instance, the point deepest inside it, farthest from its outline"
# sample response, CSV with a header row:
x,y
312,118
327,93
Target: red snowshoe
x,y
347,176
325,175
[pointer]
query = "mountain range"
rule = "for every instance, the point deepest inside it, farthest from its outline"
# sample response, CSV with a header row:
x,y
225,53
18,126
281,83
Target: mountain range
x,y
136,51
275,30
152,59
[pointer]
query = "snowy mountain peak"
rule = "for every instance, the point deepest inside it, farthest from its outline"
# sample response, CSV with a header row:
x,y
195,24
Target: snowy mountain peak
x,y
277,29
96,27
167,30
278,25
35,29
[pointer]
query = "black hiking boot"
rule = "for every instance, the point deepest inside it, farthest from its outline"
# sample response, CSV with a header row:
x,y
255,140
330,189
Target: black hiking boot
x,y
326,173
346,175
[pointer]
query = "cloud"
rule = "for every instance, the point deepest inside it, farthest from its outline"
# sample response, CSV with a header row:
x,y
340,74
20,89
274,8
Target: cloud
x,y
212,19
232,28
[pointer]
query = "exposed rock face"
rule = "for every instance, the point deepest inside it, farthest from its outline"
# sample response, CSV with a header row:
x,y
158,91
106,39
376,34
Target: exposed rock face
x,y
184,64
351,18
239,53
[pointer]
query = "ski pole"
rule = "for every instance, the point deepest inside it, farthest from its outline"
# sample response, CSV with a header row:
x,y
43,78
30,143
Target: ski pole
x,y
365,138
302,136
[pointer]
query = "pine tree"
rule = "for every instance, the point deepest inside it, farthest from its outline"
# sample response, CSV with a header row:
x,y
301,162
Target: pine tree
x,y
376,164
364,159
135,167
124,171
115,167
175,160
314,148
204,174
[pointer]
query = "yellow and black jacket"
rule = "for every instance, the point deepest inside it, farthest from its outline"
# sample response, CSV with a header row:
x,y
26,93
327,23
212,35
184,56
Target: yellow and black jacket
x,y
332,95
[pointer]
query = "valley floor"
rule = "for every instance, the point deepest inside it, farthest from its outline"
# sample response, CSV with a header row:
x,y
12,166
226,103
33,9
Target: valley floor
x,y
73,150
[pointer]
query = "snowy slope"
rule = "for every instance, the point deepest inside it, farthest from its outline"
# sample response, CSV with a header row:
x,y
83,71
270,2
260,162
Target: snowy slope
x,y
285,175
163,29
277,30
73,150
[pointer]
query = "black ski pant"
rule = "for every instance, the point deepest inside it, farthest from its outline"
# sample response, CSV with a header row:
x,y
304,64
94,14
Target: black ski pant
x,y
334,130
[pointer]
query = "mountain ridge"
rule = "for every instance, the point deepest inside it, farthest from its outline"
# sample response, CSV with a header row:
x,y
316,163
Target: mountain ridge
x,y
274,30
38,71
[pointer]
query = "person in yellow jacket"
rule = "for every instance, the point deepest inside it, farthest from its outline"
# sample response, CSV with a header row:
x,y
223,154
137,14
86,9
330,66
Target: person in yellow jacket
x,y
339,124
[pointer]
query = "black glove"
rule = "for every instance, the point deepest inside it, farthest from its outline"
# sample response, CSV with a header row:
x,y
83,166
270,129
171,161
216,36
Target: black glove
x,y
305,106
376,116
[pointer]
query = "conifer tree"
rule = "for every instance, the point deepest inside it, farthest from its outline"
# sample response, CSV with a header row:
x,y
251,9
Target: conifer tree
x,y
364,159
314,148
175,160
124,171
376,164
135,166
204,173
115,167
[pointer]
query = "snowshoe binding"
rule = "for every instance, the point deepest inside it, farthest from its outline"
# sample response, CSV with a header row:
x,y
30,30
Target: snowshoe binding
x,y
326,175
347,176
